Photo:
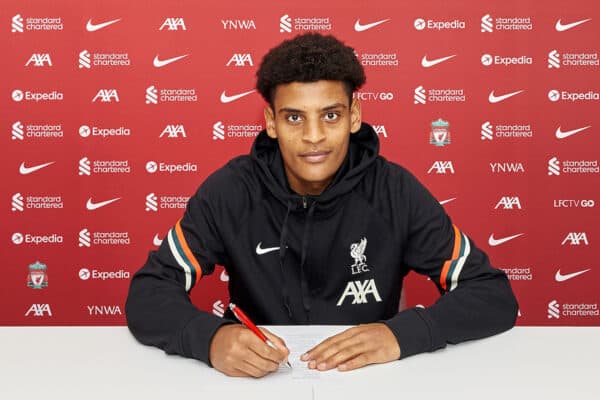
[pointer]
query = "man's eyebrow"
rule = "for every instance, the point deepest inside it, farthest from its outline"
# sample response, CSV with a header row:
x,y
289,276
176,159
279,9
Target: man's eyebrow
x,y
326,108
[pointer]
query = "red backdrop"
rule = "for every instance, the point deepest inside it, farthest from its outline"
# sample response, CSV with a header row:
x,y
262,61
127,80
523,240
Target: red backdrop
x,y
114,112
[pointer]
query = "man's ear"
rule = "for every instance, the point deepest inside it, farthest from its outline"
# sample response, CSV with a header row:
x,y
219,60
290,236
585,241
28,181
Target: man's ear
x,y
355,116
270,122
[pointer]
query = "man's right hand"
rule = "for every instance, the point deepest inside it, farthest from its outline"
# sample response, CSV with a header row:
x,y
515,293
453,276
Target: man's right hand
x,y
236,351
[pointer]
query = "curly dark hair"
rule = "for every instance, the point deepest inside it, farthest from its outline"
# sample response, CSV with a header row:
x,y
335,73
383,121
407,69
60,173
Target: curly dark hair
x,y
309,57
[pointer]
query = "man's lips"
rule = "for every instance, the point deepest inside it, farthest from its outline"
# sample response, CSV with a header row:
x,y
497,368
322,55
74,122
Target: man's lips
x,y
315,156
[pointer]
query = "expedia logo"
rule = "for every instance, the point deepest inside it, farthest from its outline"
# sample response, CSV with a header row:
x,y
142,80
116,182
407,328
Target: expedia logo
x,y
19,95
96,274
288,24
19,238
556,95
20,24
88,60
154,167
155,95
422,24
87,238
488,59
93,131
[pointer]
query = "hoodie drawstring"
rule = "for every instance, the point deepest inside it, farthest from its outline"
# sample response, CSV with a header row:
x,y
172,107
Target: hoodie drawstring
x,y
303,280
282,249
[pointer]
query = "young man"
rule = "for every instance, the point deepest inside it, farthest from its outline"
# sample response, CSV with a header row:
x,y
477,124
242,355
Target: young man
x,y
314,227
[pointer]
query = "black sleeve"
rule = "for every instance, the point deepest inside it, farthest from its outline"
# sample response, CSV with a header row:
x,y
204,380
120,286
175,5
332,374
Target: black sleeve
x,y
476,299
158,308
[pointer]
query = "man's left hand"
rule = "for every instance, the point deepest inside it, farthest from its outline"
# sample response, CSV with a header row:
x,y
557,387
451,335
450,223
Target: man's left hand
x,y
354,348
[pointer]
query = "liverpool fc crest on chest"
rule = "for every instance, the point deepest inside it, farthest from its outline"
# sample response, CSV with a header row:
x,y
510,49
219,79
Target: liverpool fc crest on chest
x,y
357,251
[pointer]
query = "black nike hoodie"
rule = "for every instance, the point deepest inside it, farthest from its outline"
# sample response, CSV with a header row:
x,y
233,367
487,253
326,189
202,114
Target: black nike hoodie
x,y
336,258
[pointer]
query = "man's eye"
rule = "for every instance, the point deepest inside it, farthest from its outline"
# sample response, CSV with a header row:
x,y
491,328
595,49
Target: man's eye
x,y
331,116
293,118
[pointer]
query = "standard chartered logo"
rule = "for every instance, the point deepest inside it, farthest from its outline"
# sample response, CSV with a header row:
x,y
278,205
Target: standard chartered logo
x,y
553,166
17,202
151,202
487,131
85,60
85,238
487,23
218,130
151,95
17,24
285,23
419,96
553,310
85,167
553,59
17,131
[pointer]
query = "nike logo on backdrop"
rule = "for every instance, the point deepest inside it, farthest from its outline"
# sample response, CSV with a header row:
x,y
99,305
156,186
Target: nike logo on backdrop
x,y
561,278
561,135
497,242
497,99
158,63
260,251
430,63
358,27
96,27
28,170
229,99
447,201
90,205
156,240
561,28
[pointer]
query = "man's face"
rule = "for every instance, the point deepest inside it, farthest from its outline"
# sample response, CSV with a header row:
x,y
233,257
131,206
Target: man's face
x,y
312,122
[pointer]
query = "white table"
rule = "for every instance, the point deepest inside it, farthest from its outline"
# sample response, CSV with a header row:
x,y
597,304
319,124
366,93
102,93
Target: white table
x,y
107,363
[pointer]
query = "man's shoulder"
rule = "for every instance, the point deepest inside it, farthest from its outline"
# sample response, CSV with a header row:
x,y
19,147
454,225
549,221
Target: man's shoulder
x,y
231,179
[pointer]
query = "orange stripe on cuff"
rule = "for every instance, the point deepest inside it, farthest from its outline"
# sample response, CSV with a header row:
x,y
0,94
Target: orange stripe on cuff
x,y
446,268
188,252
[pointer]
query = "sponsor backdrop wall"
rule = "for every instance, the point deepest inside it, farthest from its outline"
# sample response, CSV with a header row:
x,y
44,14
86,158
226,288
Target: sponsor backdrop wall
x,y
113,112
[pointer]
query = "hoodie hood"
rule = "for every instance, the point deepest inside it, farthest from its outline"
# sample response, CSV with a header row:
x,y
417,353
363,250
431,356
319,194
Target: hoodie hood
x,y
363,150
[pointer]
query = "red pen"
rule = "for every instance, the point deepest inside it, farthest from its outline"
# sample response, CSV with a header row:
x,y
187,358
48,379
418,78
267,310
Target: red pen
x,y
239,314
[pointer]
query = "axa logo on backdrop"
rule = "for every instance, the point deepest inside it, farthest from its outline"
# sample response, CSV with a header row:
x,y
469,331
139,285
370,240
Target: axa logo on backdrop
x,y
173,24
39,60
173,131
576,239
442,167
39,310
509,203
106,96
240,60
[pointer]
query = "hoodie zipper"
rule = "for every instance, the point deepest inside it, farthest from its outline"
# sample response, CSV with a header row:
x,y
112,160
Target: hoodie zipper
x,y
304,202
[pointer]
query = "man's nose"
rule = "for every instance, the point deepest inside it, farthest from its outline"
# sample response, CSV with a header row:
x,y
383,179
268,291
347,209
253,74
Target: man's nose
x,y
313,132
